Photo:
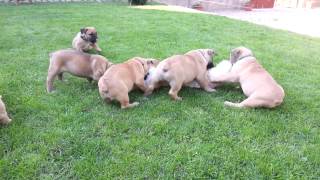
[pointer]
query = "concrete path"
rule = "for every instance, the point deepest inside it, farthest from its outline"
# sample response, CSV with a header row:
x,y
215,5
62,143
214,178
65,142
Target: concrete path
x,y
302,21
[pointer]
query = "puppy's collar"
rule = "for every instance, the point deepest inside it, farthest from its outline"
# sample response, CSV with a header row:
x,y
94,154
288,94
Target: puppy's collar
x,y
245,57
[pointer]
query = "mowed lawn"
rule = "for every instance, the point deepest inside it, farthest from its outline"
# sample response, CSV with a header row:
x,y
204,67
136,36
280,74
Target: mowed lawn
x,y
73,134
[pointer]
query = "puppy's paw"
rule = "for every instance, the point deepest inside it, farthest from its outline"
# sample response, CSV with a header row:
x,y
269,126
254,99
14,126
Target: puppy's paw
x,y
9,121
51,91
178,98
5,121
227,103
135,104
130,105
231,104
210,90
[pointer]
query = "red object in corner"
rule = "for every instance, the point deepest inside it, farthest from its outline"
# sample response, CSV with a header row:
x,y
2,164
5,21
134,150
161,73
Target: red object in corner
x,y
262,3
200,8
247,7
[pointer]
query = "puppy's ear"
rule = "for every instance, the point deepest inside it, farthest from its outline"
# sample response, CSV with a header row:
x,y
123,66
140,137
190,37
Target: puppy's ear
x,y
83,30
238,52
235,54
150,62
109,65
210,65
211,52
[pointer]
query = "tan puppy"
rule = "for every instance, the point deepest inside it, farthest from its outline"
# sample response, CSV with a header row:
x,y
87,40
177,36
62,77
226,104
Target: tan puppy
x,y
257,84
86,39
4,119
77,63
182,70
120,79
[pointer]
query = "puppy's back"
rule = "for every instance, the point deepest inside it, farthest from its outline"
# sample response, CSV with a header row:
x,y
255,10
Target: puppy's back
x,y
66,54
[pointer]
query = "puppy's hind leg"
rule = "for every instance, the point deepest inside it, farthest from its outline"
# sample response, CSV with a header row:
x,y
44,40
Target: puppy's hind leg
x,y
52,73
250,102
174,89
204,84
124,101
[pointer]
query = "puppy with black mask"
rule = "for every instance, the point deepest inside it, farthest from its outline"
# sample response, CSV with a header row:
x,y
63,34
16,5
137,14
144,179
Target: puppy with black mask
x,y
86,39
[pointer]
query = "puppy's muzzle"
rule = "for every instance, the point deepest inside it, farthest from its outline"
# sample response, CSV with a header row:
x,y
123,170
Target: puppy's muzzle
x,y
210,65
93,39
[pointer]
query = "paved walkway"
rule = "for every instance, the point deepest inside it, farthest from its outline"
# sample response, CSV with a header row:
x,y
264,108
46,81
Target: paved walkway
x,y
302,21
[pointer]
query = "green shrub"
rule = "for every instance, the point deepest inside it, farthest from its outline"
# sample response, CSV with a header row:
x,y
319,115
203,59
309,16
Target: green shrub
x,y
138,2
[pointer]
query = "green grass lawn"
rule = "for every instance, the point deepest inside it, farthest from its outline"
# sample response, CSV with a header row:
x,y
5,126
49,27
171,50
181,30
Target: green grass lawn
x,y
73,134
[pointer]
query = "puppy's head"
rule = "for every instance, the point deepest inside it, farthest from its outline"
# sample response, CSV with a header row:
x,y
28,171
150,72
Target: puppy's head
x,y
89,34
239,53
205,55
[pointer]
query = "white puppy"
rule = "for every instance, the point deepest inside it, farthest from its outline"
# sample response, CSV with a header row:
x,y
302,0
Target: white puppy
x,y
221,68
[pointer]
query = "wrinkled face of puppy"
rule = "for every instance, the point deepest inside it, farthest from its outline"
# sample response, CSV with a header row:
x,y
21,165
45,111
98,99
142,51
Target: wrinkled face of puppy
x,y
208,55
239,53
89,34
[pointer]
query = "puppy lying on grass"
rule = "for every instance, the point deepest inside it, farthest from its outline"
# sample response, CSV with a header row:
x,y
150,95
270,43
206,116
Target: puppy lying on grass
x,y
76,63
4,119
189,69
257,84
120,79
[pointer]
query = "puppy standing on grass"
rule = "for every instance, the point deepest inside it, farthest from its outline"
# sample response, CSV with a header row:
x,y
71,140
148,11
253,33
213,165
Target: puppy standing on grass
x,y
257,84
120,79
4,119
77,63
188,69
86,39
